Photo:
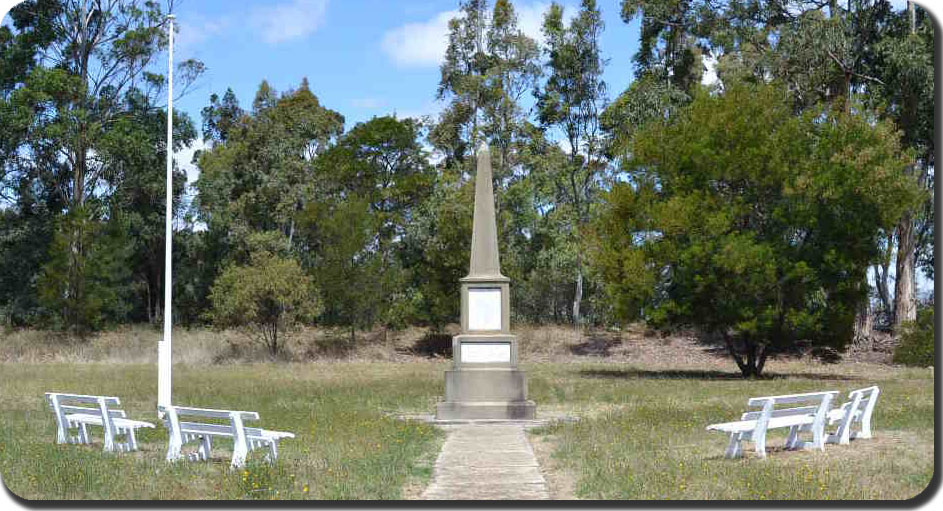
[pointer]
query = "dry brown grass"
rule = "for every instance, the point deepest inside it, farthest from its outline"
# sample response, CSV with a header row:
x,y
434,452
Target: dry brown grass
x,y
538,344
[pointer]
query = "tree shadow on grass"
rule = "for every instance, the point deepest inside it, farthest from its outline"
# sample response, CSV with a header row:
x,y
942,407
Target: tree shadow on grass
x,y
597,345
699,374
433,345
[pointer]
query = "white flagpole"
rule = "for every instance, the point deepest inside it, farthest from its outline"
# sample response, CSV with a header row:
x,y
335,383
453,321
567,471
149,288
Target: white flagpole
x,y
163,347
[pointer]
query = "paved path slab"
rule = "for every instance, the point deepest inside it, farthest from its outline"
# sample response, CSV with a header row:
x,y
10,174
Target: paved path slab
x,y
488,462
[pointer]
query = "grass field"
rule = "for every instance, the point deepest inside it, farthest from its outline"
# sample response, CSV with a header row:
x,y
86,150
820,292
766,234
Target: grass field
x,y
641,433
346,447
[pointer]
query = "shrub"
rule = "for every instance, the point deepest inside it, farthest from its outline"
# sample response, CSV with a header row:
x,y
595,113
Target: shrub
x,y
266,297
916,346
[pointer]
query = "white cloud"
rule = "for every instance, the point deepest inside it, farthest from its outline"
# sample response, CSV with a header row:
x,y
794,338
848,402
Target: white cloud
x,y
419,44
530,19
193,33
285,21
423,44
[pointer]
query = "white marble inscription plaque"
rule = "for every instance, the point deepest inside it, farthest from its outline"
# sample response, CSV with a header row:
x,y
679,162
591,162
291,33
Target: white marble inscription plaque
x,y
484,308
486,353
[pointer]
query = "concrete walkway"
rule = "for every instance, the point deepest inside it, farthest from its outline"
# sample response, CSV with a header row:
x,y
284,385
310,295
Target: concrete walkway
x,y
491,461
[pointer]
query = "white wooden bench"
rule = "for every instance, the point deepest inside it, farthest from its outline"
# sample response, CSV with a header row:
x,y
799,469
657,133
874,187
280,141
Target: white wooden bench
x,y
753,426
102,413
857,409
232,426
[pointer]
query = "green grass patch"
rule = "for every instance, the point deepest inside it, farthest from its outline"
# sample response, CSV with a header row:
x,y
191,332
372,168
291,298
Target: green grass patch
x,y
642,434
346,446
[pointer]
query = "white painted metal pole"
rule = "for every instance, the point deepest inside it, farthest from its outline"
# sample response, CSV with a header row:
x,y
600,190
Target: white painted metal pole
x,y
164,346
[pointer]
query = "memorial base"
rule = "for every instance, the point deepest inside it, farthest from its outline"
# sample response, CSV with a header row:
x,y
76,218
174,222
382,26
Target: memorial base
x,y
485,393
450,410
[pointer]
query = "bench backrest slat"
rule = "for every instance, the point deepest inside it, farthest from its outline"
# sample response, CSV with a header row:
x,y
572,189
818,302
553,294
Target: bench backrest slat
x,y
792,398
67,409
82,398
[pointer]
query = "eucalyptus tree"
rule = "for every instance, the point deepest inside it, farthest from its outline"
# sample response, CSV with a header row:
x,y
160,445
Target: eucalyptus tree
x,y
462,81
74,64
906,90
259,176
512,72
489,66
570,101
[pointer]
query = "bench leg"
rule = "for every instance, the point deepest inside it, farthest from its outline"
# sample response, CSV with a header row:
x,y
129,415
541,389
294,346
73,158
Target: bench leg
x,y
206,446
240,448
759,443
865,428
734,449
83,433
62,433
792,441
173,447
273,451
818,436
132,439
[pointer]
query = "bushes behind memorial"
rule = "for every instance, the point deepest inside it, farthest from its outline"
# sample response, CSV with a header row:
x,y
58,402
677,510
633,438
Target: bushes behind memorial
x,y
752,224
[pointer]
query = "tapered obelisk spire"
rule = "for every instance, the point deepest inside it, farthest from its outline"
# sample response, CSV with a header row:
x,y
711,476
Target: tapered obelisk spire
x,y
484,243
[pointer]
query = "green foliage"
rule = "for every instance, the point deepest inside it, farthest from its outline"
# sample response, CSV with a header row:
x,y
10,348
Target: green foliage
x,y
436,251
262,174
346,270
752,224
267,296
379,165
101,270
917,344
571,100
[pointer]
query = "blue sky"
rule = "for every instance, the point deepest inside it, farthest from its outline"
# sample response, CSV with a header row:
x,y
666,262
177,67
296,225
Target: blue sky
x,y
361,57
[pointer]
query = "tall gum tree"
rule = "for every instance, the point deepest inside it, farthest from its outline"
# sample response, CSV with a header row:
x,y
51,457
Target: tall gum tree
x,y
571,100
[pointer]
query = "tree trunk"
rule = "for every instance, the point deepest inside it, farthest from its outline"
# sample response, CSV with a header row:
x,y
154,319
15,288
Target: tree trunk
x,y
578,295
752,367
905,306
864,322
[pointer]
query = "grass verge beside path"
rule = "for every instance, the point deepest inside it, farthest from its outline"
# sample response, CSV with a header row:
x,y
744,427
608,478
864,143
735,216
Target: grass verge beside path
x,y
345,446
642,434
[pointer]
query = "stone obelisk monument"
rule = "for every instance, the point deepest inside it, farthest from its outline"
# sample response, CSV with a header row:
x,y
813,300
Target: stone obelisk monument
x,y
484,382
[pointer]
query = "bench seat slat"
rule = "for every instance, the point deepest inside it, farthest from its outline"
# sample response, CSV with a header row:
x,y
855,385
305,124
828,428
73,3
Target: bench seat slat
x,y
265,434
214,414
749,425
782,412
96,420
206,429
